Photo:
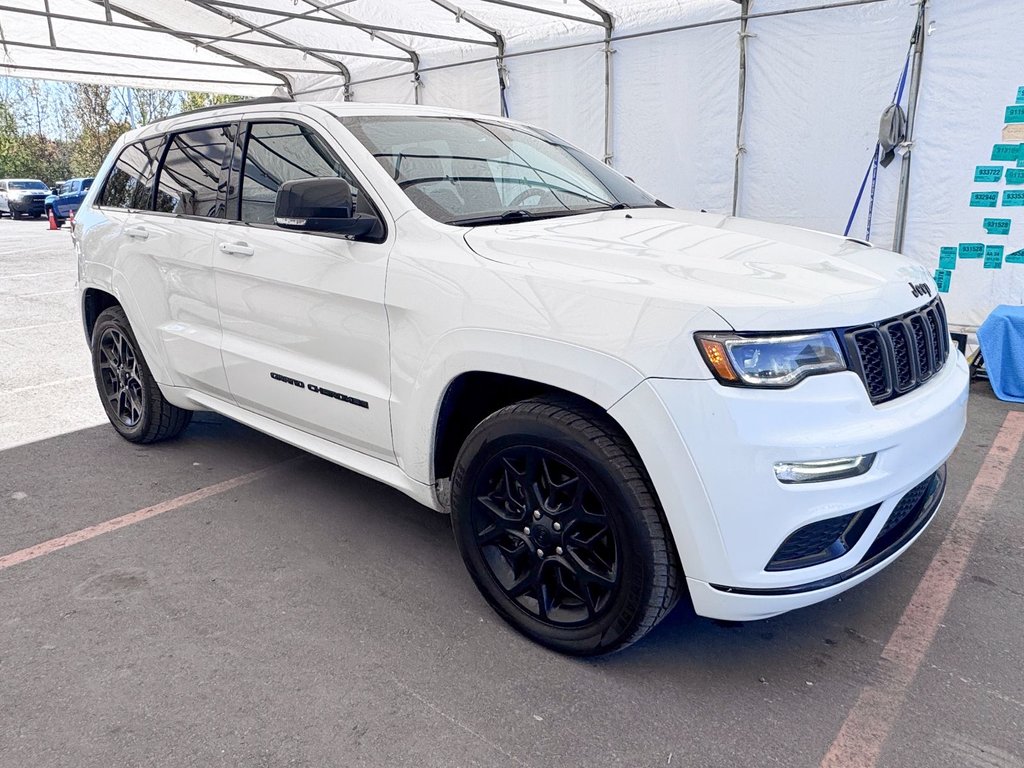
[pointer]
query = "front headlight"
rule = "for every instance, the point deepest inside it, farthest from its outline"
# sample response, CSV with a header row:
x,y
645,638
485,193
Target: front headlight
x,y
770,361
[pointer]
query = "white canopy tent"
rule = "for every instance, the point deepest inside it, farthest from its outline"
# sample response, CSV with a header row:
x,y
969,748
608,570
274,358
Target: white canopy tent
x,y
765,108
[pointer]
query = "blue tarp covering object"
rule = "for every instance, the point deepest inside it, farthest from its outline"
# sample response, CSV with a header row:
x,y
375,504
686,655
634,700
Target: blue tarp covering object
x,y
1002,343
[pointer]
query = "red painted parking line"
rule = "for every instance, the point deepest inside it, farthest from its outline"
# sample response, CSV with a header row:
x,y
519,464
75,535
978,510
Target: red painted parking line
x,y
859,742
62,542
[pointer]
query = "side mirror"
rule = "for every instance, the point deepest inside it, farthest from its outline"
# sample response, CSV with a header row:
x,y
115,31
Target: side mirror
x,y
320,205
54,190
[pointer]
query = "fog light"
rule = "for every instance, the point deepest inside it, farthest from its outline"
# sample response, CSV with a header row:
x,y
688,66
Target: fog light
x,y
820,471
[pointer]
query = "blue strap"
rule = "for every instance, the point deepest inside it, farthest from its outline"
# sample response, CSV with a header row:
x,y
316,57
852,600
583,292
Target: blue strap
x,y
860,194
872,171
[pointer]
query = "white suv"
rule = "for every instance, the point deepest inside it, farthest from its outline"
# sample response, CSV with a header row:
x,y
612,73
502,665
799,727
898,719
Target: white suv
x,y
619,403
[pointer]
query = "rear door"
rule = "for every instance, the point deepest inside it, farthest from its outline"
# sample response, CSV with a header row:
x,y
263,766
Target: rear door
x,y
305,330
167,254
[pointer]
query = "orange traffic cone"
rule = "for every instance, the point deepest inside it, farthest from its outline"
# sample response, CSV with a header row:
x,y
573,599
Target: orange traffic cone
x,y
53,221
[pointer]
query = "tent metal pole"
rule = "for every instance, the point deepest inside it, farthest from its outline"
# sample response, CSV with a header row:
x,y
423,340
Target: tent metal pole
x,y
903,202
384,37
167,59
460,14
347,22
13,71
740,107
609,29
49,23
544,11
345,74
270,72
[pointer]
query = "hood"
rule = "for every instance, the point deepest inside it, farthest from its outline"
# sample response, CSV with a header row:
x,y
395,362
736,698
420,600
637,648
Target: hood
x,y
757,276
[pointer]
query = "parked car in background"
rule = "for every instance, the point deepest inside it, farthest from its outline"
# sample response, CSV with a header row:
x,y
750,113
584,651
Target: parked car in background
x,y
23,197
66,198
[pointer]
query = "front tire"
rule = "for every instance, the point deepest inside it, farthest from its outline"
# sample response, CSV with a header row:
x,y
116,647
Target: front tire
x,y
130,395
556,520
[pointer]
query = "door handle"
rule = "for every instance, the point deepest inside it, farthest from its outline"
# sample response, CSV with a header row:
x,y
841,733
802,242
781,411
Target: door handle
x,y
139,233
236,249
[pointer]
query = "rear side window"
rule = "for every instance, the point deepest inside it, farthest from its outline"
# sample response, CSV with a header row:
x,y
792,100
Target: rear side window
x,y
280,152
191,177
130,183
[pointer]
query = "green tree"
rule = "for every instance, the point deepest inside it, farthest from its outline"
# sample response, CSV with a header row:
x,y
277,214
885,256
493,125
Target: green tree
x,y
196,100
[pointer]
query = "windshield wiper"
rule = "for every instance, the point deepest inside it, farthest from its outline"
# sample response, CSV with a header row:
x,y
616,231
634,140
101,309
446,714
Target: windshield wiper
x,y
506,217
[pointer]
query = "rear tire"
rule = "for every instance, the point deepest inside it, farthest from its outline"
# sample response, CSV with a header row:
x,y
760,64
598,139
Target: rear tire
x,y
556,520
131,397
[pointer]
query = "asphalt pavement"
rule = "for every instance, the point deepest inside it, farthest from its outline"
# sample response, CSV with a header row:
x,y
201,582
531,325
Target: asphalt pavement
x,y
253,606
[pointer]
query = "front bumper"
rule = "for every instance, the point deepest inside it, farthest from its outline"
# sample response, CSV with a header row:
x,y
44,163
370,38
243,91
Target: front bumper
x,y
710,451
30,207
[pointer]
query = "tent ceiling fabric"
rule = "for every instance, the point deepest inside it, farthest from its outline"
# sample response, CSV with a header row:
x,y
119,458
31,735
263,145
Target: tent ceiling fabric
x,y
252,48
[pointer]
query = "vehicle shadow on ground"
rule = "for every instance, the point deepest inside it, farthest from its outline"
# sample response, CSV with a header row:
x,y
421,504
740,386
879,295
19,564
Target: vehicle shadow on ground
x,y
327,509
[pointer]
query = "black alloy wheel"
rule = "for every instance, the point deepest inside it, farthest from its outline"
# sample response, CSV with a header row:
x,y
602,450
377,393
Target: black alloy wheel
x,y
120,378
131,397
555,519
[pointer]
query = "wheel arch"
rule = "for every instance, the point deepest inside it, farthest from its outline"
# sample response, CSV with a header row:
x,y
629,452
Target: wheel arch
x,y
94,301
472,373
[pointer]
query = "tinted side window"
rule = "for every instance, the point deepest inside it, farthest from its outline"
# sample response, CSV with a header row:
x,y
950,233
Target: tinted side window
x,y
280,152
130,183
190,177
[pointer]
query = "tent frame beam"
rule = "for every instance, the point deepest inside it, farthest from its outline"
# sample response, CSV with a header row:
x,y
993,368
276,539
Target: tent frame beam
x,y
345,74
741,105
270,72
344,22
384,37
546,12
499,39
903,200
145,25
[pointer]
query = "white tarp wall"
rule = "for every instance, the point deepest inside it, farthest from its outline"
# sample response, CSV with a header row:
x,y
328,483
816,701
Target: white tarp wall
x,y
817,83
819,74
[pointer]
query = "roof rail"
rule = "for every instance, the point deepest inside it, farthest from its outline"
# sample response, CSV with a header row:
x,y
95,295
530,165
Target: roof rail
x,y
239,103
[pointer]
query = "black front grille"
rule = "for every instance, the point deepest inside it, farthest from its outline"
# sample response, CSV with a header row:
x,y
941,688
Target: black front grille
x,y
909,516
821,541
907,505
900,354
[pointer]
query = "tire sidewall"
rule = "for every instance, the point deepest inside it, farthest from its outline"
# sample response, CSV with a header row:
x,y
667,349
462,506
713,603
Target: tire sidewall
x,y
503,431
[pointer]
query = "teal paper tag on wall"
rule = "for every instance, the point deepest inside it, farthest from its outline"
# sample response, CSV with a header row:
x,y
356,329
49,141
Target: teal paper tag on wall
x,y
1017,257
1013,198
1015,176
942,277
1015,114
984,199
988,173
972,250
1020,95
997,226
947,258
1006,152
994,257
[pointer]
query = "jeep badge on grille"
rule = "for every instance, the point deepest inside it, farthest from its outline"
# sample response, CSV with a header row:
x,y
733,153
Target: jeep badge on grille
x,y
920,289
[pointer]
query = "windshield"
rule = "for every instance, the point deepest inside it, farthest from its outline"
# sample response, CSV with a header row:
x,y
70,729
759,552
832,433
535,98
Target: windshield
x,y
28,185
468,172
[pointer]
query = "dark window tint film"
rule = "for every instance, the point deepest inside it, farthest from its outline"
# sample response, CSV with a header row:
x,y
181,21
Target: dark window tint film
x,y
130,183
280,152
191,178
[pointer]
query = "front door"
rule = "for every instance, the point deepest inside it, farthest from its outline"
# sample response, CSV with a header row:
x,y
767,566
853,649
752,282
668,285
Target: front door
x,y
305,333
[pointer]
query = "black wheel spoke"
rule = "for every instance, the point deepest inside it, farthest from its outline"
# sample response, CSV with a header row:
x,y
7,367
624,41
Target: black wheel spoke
x,y
120,378
546,539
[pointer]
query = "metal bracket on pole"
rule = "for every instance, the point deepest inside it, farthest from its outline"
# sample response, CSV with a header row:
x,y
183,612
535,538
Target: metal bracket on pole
x,y
609,29
903,202
462,15
375,34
